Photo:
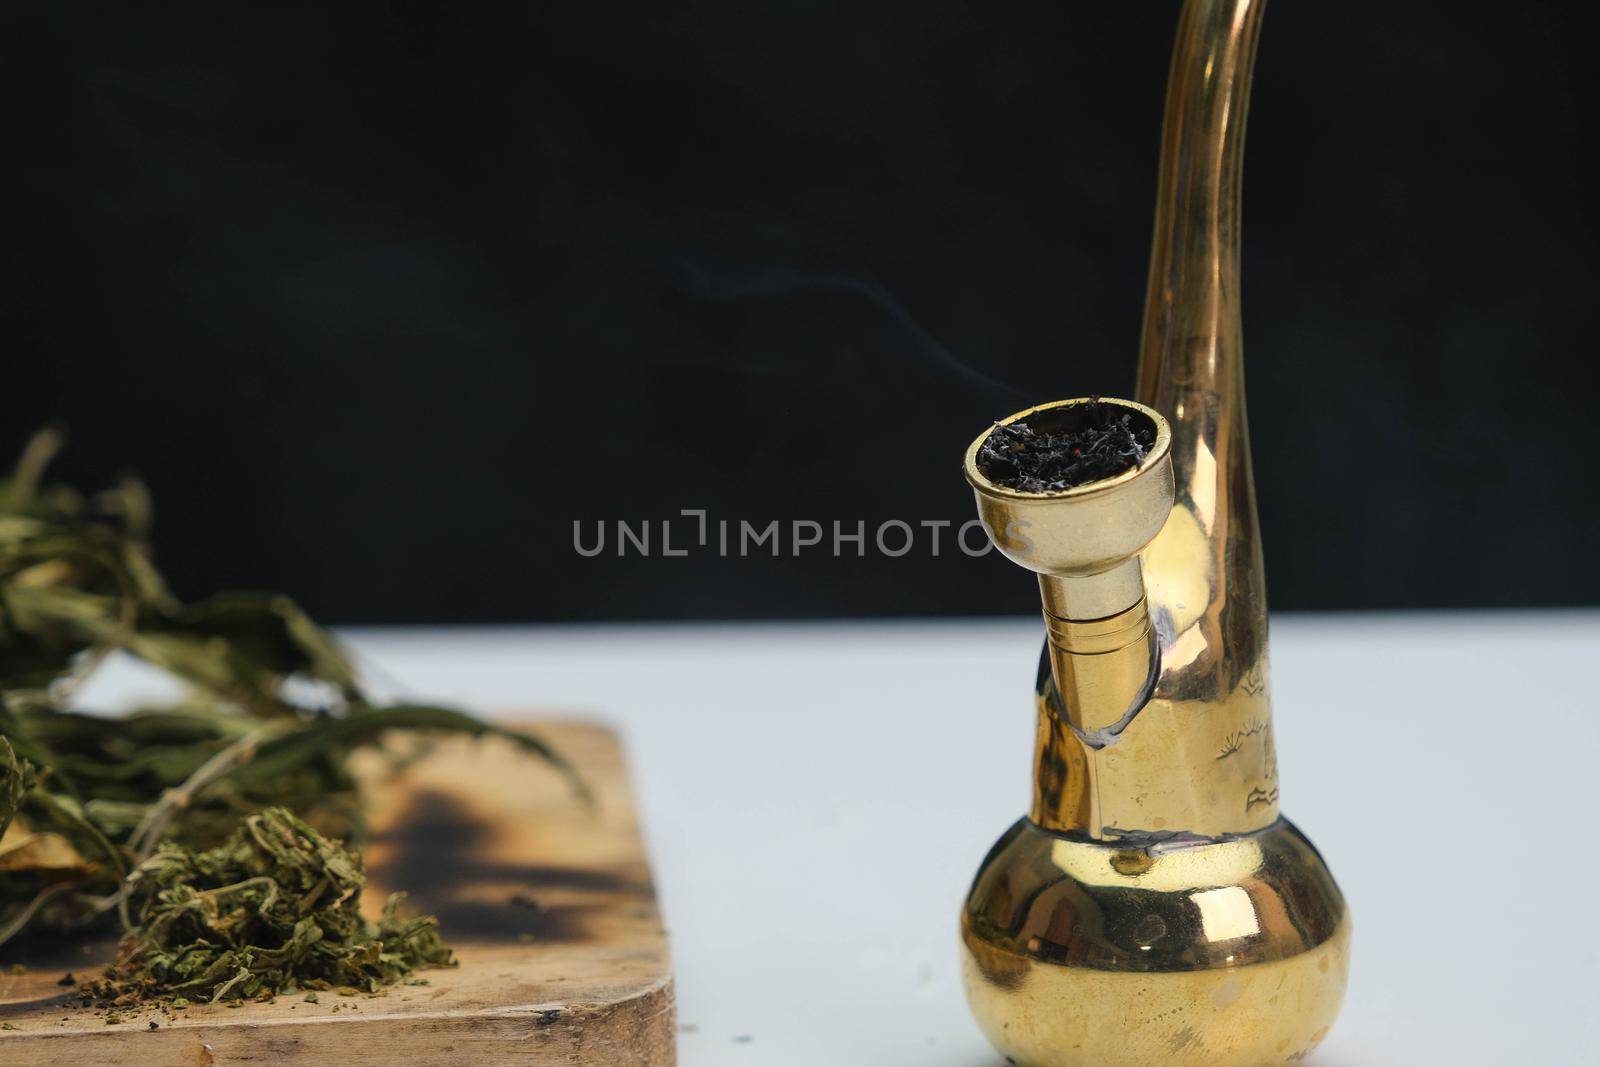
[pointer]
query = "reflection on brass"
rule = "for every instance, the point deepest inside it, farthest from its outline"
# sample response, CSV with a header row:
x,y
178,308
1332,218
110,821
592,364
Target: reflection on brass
x,y
1154,908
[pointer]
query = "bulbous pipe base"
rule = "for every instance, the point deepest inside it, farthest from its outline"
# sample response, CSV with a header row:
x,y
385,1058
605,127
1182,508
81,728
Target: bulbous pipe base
x,y
1080,953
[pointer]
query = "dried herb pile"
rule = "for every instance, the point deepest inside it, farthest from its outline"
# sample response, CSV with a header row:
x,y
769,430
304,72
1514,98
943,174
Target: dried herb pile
x,y
274,712
274,909
1103,445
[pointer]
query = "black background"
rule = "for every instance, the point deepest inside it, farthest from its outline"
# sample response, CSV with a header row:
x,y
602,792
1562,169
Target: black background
x,y
379,298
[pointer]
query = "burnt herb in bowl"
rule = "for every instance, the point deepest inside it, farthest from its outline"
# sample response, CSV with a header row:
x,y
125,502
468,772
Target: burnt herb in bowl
x,y
1090,443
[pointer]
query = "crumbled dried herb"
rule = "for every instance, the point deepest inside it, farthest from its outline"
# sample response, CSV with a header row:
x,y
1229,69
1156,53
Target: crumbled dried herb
x,y
275,906
1100,442
275,710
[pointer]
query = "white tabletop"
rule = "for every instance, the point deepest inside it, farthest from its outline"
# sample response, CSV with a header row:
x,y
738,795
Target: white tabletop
x,y
817,798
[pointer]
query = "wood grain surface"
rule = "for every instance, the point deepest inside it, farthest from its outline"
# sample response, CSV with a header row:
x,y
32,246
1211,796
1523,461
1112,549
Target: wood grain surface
x,y
548,904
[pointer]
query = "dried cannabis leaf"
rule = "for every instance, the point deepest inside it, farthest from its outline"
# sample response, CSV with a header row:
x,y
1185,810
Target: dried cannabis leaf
x,y
275,907
83,798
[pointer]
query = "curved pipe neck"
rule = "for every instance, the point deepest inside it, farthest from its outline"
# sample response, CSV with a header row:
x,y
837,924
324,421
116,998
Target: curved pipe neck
x,y
1190,365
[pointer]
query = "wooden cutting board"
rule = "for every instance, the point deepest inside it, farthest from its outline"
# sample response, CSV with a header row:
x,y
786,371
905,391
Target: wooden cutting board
x,y
549,906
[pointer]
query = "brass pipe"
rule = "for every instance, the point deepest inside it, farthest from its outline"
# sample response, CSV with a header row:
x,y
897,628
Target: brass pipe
x,y
1154,908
